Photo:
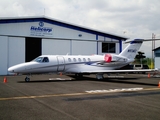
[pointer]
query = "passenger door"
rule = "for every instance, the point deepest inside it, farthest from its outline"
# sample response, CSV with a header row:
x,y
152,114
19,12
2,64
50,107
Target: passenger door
x,y
61,63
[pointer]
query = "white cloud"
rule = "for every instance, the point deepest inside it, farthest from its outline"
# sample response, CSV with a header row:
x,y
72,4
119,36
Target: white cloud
x,y
138,18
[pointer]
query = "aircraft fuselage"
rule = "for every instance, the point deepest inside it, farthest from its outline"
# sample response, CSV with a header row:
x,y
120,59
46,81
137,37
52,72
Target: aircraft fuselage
x,y
68,64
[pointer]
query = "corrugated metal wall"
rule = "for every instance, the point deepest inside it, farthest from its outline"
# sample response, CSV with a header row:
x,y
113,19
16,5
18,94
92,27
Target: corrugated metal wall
x,y
3,55
157,64
55,47
12,51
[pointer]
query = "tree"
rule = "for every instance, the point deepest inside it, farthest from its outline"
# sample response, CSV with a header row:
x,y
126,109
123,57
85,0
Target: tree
x,y
140,56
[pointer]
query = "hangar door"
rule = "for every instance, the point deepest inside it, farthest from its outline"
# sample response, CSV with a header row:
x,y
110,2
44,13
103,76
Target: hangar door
x,y
33,48
84,47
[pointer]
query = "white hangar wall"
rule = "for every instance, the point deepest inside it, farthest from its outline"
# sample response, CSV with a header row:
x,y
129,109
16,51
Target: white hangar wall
x,y
67,33
16,53
55,47
4,53
24,29
157,64
157,58
72,47
15,29
13,51
84,47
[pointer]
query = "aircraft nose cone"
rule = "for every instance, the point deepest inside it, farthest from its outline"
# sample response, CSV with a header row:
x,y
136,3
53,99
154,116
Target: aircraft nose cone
x,y
11,69
17,68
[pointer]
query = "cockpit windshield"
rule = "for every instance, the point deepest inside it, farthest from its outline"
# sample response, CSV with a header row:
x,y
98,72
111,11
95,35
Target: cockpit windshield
x,y
41,59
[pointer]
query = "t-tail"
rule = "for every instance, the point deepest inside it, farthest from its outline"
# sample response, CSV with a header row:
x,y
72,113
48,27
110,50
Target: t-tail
x,y
131,50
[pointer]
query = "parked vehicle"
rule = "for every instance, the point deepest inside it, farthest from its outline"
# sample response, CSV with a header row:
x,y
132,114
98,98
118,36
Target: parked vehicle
x,y
140,66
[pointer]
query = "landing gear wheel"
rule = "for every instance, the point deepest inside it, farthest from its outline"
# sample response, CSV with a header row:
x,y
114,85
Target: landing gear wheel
x,y
27,79
99,76
78,75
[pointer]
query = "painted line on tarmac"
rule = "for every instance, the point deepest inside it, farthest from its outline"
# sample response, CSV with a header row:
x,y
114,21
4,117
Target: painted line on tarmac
x,y
42,96
114,90
83,93
60,79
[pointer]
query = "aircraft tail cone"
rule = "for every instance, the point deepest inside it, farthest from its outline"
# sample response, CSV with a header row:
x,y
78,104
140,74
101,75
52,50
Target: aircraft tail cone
x,y
159,84
5,80
149,75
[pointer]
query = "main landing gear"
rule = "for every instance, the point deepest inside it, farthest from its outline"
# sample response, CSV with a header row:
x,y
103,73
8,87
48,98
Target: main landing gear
x,y
79,76
99,76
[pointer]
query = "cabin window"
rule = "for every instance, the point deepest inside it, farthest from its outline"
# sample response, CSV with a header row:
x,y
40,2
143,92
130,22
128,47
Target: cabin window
x,y
74,59
69,59
79,59
41,59
89,59
84,59
108,47
38,59
45,59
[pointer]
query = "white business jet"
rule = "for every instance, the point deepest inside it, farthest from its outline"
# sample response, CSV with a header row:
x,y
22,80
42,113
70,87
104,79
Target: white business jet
x,y
80,64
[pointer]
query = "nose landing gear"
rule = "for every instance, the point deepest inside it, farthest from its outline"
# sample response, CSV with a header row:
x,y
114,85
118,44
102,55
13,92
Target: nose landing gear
x,y
99,76
27,79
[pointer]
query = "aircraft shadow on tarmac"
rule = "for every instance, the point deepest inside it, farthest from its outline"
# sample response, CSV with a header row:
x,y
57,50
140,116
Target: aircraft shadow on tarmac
x,y
86,78
41,81
130,82
73,79
125,80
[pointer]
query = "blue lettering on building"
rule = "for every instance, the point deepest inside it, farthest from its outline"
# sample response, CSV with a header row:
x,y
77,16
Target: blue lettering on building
x,y
41,29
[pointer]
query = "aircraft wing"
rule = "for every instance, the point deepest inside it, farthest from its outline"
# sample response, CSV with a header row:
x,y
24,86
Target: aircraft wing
x,y
122,71
109,71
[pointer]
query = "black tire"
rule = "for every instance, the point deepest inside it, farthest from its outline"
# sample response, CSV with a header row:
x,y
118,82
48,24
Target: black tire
x,y
27,79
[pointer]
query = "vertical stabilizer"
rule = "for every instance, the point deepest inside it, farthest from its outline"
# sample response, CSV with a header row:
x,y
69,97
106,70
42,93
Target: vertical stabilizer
x,y
131,50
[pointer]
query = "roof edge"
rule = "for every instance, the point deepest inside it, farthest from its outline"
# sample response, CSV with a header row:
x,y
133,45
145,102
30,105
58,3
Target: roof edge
x,y
63,22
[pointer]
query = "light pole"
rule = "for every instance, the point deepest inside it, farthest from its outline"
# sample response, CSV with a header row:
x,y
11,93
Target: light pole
x,y
153,47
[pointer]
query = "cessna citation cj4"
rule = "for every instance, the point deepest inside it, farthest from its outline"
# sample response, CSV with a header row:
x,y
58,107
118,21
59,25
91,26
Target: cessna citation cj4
x,y
80,64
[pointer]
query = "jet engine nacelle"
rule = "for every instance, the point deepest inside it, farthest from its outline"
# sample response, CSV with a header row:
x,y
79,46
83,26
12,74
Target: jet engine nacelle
x,y
108,58
114,58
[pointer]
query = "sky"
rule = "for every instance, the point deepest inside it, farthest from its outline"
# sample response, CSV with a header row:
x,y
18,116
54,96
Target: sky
x,y
129,18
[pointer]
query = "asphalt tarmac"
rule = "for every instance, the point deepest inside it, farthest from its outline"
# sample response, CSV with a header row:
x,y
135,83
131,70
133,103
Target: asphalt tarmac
x,y
55,97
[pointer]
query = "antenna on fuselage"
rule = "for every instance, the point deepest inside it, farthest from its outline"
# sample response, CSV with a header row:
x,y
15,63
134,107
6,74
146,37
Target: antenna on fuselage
x,y
67,54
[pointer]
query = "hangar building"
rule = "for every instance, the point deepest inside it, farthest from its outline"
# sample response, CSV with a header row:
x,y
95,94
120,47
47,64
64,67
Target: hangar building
x,y
23,39
157,57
